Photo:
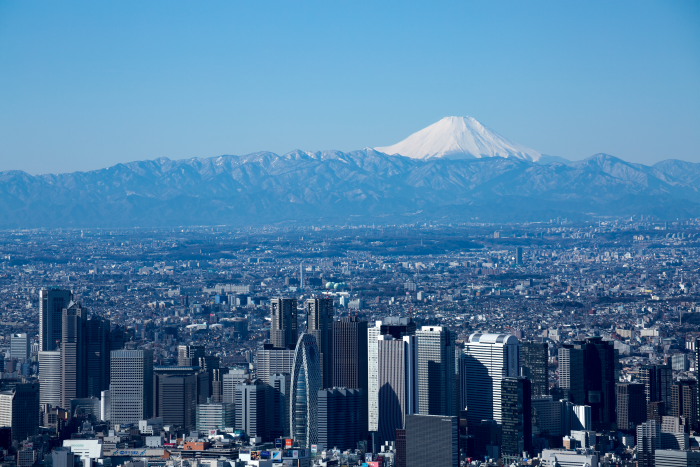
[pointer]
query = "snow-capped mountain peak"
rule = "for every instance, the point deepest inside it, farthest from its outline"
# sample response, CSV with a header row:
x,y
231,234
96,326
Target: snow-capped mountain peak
x,y
459,138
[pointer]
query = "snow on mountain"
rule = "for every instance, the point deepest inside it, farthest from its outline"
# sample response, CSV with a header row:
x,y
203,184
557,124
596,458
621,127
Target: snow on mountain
x,y
459,138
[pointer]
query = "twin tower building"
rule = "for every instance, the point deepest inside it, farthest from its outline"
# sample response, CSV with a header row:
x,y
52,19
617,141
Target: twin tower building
x,y
348,378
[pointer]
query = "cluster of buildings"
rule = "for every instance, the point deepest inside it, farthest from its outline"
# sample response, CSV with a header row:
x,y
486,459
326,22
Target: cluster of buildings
x,y
553,344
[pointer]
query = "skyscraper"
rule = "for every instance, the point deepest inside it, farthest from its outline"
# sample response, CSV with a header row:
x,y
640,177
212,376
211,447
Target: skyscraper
x,y
488,358
340,418
73,354
51,305
350,353
516,413
534,358
251,408
131,386
278,405
50,378
306,381
600,362
648,434
319,315
175,395
631,405
270,361
97,359
19,409
19,346
397,383
657,380
214,416
283,331
684,401
435,371
571,373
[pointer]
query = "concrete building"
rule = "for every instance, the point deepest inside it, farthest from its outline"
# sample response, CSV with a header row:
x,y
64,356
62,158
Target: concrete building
x,y
397,384
251,411
19,347
131,386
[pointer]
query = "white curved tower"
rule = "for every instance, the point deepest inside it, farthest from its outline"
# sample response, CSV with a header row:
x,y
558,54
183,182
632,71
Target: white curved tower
x,y
303,397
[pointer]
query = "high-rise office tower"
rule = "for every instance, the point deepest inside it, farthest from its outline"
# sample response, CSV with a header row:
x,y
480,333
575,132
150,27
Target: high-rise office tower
x,y
19,347
339,418
397,383
231,380
684,399
131,386
657,380
319,315
19,409
51,305
97,359
631,406
73,354
270,361
278,405
350,353
516,415
600,362
175,395
251,411
488,358
435,371
571,373
373,332
534,358
648,434
50,378
283,331
398,328
306,381
431,440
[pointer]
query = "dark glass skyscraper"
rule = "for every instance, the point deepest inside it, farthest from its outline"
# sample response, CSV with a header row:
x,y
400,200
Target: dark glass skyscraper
x,y
516,414
534,357
283,331
51,305
73,354
350,353
319,315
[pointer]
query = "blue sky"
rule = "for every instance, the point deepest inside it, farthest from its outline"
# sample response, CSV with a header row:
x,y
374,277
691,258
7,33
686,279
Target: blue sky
x,y
85,85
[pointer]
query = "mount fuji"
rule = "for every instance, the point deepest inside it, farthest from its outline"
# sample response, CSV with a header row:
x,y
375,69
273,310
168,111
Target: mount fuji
x,y
459,138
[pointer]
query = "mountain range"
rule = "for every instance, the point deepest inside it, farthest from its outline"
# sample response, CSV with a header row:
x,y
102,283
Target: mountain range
x,y
453,171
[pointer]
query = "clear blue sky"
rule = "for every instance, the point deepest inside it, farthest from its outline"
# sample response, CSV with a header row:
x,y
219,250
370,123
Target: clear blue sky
x,y
89,84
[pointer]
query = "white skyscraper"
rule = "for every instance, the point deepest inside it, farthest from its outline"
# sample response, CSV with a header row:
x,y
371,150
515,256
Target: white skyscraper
x,y
19,347
50,377
372,376
436,376
488,358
